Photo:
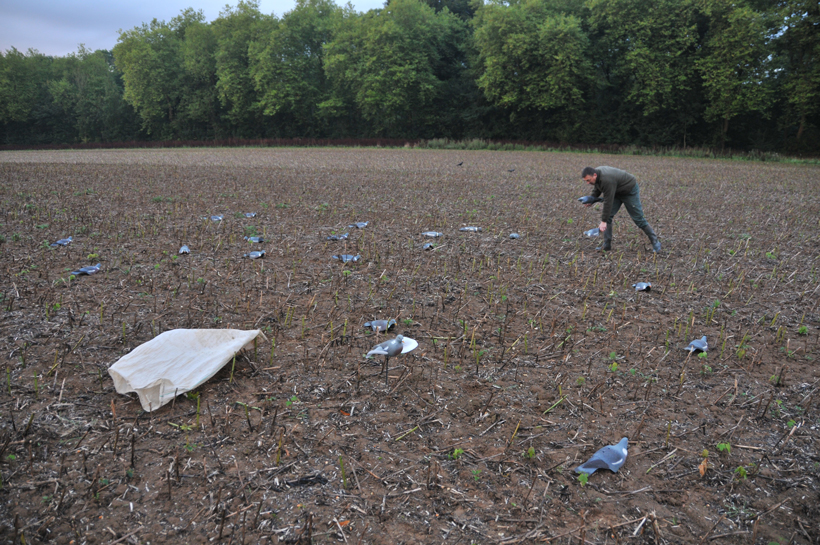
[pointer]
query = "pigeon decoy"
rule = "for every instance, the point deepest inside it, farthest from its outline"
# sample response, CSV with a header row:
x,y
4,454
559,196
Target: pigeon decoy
x,y
593,232
432,234
471,229
344,258
461,163
589,199
698,345
391,348
381,325
642,286
254,239
358,225
428,246
514,236
338,237
255,255
91,269
62,242
185,249
220,217
611,457
250,214
511,170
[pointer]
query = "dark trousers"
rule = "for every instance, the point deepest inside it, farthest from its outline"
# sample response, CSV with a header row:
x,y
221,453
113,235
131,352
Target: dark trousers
x,y
632,202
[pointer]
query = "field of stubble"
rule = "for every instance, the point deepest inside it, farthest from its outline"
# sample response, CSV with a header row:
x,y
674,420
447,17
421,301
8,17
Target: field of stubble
x,y
533,353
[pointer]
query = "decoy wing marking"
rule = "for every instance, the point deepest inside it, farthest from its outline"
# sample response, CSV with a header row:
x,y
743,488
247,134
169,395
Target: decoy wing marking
x,y
378,351
595,463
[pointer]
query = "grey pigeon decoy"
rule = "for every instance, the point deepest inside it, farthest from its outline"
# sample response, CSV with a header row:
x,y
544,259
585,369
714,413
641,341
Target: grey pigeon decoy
x,y
698,345
254,239
185,249
611,457
511,170
381,325
589,199
220,217
461,163
428,246
391,348
255,255
91,269
344,258
514,236
338,237
62,242
250,214
432,234
642,286
593,232
358,225
471,229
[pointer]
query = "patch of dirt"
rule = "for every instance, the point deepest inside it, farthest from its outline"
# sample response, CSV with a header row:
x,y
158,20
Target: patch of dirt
x,y
533,353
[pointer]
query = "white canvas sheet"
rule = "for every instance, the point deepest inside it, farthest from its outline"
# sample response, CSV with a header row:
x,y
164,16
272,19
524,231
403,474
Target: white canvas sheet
x,y
176,362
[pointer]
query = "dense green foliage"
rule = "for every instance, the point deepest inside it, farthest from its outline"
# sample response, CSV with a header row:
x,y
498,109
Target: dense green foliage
x,y
743,74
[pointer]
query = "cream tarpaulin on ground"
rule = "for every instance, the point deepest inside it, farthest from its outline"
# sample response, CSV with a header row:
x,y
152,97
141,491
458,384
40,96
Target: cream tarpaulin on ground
x,y
176,362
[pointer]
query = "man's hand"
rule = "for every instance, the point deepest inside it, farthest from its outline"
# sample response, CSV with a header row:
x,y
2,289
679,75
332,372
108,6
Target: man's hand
x,y
602,226
588,205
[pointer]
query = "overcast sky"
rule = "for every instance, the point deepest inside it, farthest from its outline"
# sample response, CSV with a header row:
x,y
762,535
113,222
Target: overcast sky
x,y
57,27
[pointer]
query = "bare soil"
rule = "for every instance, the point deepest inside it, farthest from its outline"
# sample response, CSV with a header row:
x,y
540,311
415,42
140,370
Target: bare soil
x,y
533,353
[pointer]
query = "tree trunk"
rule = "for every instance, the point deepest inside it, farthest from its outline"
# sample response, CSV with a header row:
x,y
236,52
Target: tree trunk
x,y
802,124
723,133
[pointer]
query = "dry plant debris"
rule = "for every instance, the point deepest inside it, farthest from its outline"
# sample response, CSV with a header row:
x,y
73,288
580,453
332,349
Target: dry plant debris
x,y
533,353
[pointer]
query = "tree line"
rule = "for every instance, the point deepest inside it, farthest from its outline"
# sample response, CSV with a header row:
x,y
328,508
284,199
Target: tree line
x,y
673,73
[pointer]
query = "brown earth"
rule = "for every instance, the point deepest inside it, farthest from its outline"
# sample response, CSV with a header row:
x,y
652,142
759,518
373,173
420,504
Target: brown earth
x,y
533,353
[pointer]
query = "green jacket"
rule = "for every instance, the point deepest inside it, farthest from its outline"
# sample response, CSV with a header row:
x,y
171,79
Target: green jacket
x,y
611,182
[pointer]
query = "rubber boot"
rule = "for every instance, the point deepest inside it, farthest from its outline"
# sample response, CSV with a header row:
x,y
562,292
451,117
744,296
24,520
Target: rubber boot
x,y
653,239
607,245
